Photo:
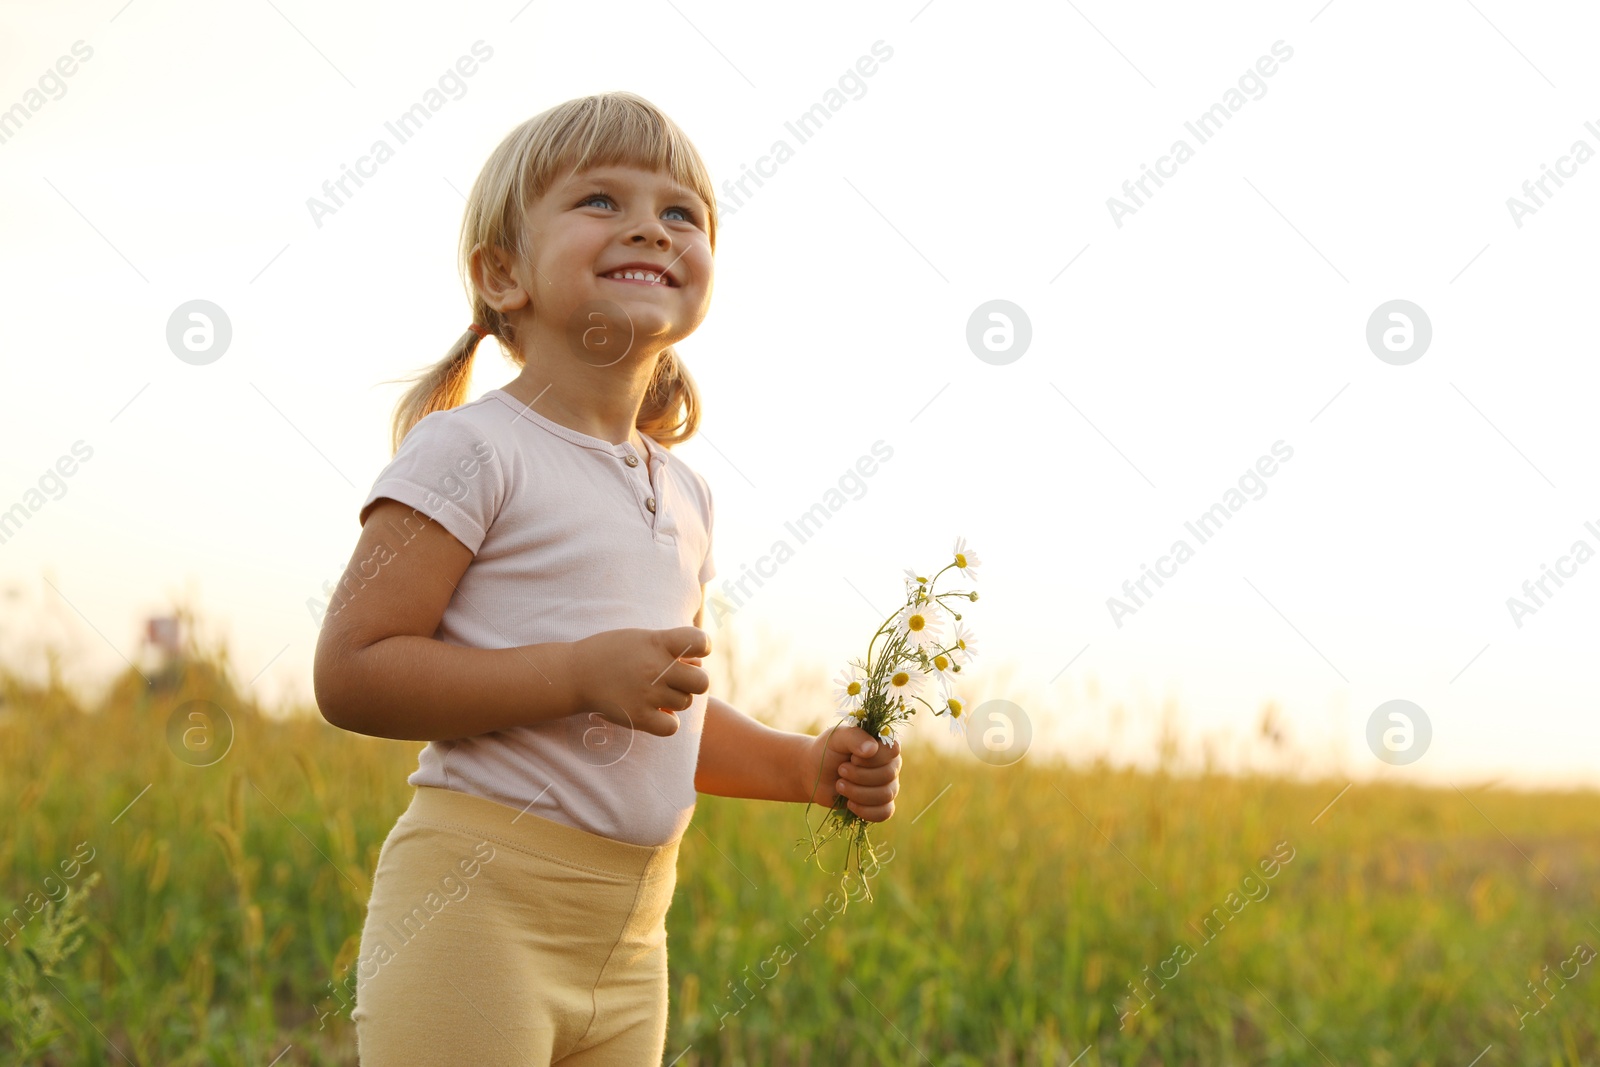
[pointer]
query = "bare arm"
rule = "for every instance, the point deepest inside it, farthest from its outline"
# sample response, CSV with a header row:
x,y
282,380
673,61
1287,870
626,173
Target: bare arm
x,y
380,671
740,757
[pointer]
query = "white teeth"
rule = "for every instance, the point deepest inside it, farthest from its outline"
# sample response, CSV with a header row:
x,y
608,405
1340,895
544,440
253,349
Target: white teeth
x,y
637,275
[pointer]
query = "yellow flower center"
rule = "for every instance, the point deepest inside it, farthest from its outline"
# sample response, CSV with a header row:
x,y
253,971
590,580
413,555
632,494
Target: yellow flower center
x,y
853,689
940,662
900,678
955,707
961,560
916,622
962,645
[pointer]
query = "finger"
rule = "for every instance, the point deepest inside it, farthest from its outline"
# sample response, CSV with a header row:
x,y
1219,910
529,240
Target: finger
x,y
661,723
882,756
868,798
681,676
853,740
671,699
873,813
859,775
686,641
870,794
654,721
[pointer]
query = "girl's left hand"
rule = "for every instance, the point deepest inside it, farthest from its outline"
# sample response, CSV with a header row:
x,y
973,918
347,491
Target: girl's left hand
x,y
869,779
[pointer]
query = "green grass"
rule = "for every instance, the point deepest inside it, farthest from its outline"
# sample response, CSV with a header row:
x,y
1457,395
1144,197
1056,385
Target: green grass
x,y
219,907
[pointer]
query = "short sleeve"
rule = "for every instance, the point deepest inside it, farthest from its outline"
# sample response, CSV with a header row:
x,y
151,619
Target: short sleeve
x,y
448,470
708,567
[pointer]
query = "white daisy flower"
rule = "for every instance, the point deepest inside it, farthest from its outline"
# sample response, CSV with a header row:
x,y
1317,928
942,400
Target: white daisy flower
x,y
851,691
942,665
957,710
966,559
964,648
907,682
920,624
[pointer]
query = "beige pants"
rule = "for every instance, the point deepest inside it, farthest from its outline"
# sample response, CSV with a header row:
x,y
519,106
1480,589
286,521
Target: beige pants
x,y
502,939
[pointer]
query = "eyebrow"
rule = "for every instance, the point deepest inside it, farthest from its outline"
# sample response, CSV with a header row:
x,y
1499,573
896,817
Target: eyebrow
x,y
606,174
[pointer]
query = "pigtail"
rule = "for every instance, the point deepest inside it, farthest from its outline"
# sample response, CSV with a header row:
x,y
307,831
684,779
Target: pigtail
x,y
670,413
438,388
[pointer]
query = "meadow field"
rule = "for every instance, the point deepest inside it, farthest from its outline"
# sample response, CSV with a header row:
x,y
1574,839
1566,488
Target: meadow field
x,y
1048,913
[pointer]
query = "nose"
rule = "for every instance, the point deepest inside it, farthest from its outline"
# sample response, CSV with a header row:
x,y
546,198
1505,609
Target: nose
x,y
653,229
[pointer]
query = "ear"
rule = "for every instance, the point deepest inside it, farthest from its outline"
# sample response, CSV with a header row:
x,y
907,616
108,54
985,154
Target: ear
x,y
493,272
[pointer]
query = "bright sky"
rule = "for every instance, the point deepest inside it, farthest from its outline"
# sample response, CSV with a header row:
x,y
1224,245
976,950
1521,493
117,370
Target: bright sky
x,y
1169,347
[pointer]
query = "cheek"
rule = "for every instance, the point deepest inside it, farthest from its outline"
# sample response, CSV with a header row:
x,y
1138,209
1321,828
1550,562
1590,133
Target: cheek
x,y
700,258
578,242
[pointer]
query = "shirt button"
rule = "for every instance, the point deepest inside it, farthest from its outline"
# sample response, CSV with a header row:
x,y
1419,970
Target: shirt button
x,y
651,504
632,461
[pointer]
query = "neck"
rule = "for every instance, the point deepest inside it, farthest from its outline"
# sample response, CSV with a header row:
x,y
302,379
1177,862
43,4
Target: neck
x,y
586,391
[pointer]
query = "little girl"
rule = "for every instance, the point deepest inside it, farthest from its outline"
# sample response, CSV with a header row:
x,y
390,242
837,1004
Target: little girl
x,y
526,596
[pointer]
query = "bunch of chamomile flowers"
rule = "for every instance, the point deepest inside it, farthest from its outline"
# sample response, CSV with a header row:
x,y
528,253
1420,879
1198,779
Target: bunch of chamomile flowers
x,y
913,659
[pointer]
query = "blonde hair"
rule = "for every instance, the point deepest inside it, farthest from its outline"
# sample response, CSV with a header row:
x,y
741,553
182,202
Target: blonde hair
x,y
607,129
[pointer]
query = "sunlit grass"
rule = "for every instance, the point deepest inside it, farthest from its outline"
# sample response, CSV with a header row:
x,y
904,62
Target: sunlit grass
x,y
1017,908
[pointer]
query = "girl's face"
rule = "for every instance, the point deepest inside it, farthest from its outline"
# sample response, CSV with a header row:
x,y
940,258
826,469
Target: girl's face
x,y
590,224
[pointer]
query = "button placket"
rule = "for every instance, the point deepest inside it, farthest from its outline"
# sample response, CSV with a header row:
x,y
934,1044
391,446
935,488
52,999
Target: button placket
x,y
632,460
650,501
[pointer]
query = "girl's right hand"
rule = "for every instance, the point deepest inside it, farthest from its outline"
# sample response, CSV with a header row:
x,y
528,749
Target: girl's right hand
x,y
641,678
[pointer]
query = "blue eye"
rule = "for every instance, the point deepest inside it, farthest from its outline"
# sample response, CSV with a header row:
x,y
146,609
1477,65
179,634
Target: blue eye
x,y
688,214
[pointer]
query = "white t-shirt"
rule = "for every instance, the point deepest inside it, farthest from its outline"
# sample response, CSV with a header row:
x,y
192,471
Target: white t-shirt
x,y
571,535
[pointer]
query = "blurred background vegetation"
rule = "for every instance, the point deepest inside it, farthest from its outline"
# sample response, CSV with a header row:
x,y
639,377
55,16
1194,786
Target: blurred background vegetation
x,y
1027,910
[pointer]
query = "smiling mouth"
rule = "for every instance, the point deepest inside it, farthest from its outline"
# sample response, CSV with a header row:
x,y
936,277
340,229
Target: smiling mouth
x,y
638,281
662,281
